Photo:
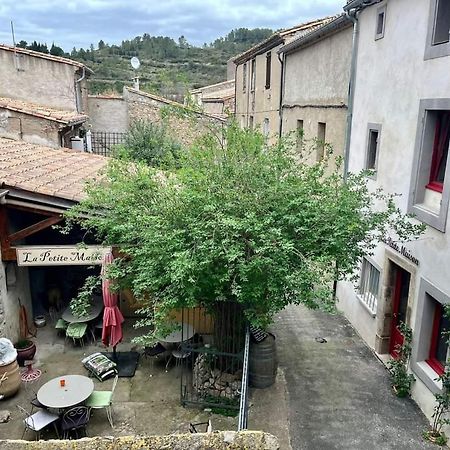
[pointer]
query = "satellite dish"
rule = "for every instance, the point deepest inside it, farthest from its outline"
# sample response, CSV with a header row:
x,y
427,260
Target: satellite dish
x,y
135,63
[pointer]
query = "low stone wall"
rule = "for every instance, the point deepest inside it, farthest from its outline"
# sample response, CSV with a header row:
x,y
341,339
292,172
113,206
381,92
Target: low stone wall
x,y
255,440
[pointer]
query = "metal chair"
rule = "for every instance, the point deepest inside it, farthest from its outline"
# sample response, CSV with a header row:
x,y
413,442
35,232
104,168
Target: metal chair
x,y
75,419
77,331
103,400
194,427
61,326
38,421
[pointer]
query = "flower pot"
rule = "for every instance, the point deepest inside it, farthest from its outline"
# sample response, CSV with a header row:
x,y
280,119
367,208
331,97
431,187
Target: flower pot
x,y
9,379
25,352
39,321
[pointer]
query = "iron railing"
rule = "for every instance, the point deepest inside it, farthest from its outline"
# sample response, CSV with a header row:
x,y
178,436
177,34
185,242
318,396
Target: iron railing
x,y
213,360
243,404
103,142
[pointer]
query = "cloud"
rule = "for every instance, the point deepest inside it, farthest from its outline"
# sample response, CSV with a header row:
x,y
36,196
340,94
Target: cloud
x,y
82,22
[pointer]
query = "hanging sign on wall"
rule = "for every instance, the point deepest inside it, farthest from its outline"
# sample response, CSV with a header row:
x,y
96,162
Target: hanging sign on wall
x,y
401,249
60,255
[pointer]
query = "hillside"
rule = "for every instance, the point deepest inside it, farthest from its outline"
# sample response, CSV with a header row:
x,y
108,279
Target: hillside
x,y
168,68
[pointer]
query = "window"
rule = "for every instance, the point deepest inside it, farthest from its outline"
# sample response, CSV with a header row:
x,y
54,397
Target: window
x,y
429,192
373,139
441,22
368,286
438,41
253,75
429,351
321,134
244,77
300,134
381,19
266,127
268,69
441,120
438,345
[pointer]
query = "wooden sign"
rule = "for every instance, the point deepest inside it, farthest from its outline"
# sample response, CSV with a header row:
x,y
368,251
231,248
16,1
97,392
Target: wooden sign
x,y
62,255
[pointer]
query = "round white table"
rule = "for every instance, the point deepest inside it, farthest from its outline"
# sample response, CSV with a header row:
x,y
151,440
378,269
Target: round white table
x,y
183,334
93,313
76,390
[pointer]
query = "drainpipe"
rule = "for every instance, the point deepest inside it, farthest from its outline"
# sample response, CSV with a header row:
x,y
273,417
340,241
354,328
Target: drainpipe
x,y
353,16
280,106
78,90
236,118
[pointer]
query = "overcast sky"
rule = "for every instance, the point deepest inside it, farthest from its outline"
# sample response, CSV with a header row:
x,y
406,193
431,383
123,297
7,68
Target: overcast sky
x,y
79,23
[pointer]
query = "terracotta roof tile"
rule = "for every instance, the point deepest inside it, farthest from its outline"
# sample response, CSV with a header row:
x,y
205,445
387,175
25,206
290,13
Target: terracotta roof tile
x,y
60,173
32,109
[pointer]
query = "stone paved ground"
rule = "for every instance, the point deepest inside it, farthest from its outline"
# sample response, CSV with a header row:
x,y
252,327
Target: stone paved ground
x,y
338,392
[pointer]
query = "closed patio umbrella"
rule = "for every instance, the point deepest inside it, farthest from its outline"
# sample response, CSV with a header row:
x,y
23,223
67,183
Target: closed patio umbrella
x,y
112,317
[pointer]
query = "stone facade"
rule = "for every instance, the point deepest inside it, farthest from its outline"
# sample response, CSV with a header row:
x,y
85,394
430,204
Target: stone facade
x,y
217,99
318,105
108,114
42,79
223,440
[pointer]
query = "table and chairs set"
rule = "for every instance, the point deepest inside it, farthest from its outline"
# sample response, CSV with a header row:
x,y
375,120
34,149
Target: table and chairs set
x,y
65,403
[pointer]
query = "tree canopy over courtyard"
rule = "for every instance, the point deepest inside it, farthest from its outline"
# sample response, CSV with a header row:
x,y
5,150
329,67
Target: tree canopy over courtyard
x,y
236,219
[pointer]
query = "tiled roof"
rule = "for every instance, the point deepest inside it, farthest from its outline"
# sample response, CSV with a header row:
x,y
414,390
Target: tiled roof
x,y
280,37
56,115
60,59
58,173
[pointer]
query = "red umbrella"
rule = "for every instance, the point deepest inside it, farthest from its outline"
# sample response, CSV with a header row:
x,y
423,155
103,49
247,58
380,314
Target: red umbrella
x,y
112,317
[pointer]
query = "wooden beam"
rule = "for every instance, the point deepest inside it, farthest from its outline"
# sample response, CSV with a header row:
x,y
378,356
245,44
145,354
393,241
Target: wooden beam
x,y
8,253
32,229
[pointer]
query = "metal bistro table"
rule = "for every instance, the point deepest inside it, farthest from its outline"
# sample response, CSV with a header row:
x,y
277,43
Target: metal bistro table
x,y
93,313
76,390
184,334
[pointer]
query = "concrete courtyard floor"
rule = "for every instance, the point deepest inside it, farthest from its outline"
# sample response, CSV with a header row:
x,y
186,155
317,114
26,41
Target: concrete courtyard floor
x,y
146,404
339,394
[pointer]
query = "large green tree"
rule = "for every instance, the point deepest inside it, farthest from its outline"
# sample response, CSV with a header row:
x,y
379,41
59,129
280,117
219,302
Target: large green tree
x,y
243,221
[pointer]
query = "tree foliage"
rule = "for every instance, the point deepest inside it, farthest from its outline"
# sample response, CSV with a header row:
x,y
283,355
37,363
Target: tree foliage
x,y
246,222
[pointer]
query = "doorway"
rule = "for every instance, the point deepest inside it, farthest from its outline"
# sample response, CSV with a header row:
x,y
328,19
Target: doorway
x,y
400,295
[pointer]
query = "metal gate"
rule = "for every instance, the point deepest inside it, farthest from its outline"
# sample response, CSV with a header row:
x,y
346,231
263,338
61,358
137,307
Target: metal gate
x,y
103,142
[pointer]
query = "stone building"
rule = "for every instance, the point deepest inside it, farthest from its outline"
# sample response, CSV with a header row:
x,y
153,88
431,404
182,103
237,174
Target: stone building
x,y
400,131
258,80
115,114
43,97
216,99
316,75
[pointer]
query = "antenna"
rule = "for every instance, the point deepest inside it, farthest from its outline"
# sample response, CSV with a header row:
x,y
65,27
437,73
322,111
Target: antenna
x,y
135,64
12,32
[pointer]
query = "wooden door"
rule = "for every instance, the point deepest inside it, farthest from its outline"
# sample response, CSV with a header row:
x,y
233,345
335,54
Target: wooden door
x,y
399,307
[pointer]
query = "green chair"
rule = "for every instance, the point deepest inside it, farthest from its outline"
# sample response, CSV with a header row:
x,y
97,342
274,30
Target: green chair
x,y
103,399
76,331
61,326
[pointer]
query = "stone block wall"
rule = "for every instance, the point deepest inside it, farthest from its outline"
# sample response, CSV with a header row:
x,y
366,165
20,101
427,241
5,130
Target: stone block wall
x,y
225,440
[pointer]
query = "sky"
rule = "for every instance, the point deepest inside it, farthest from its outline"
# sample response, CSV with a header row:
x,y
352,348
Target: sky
x,y
79,23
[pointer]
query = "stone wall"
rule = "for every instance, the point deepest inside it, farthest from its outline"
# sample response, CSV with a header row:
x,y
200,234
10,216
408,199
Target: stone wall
x,y
29,128
108,114
186,126
38,80
255,440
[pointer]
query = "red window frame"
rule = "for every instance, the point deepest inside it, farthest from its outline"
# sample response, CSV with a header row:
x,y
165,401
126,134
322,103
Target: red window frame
x,y
440,134
432,361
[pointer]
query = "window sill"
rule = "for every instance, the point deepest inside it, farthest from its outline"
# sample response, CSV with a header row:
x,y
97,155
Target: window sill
x,y
365,306
428,376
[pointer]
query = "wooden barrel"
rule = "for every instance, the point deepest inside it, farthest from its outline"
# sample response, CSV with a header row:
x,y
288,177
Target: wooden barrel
x,y
263,363
10,375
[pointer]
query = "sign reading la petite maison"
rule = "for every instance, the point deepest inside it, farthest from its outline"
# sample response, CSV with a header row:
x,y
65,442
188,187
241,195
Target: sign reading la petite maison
x,y
63,255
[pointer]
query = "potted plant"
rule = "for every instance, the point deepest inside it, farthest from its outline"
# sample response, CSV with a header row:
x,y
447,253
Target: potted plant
x,y
26,350
398,367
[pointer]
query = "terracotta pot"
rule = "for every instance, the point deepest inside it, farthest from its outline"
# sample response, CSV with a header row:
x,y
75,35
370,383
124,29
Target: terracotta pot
x,y
26,353
11,379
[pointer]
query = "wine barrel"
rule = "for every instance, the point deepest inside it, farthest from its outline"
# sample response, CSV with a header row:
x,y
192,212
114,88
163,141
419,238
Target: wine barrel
x,y
263,363
9,379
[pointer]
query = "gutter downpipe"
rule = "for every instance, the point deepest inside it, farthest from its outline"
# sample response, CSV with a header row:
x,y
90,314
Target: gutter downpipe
x,y
353,16
280,105
78,90
235,92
